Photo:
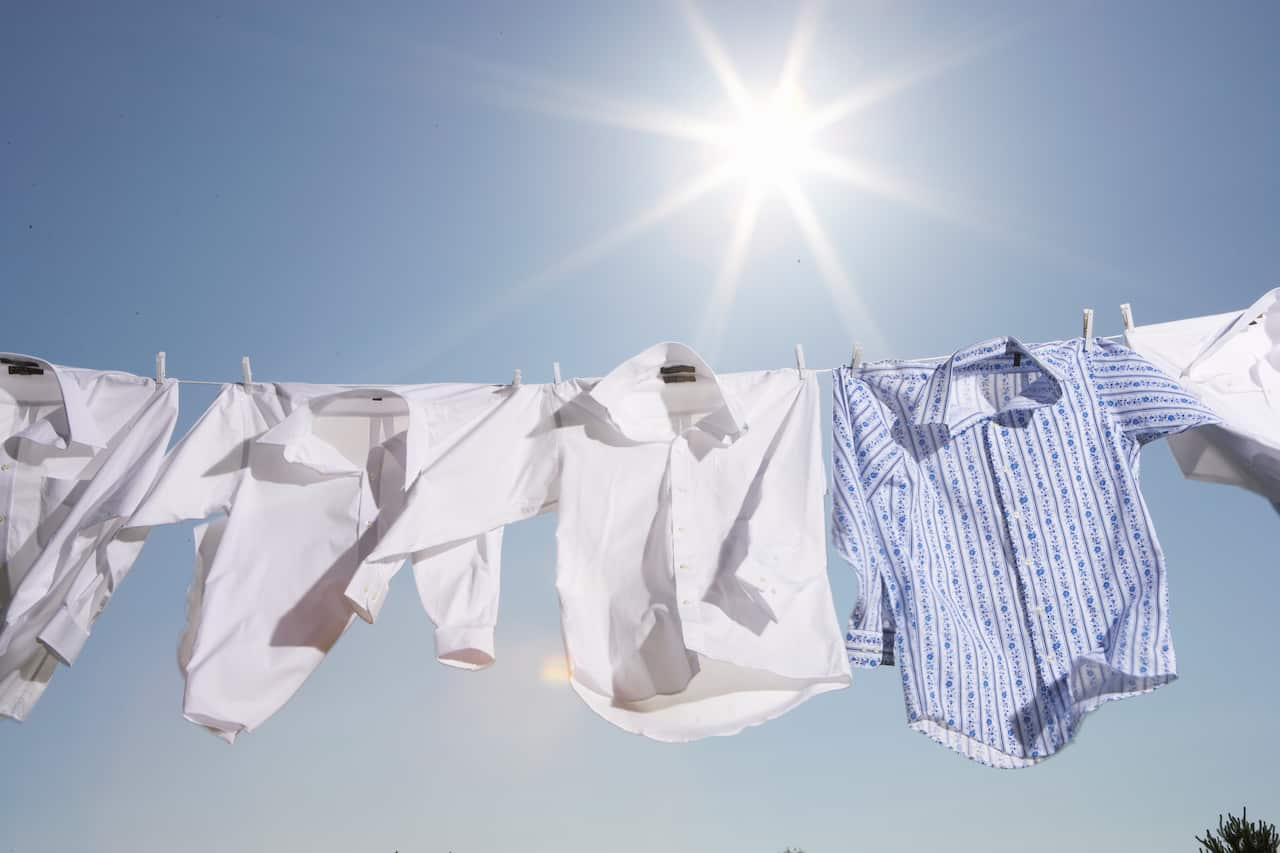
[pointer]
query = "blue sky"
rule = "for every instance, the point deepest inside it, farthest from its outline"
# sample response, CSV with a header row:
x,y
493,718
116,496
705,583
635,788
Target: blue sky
x,y
402,192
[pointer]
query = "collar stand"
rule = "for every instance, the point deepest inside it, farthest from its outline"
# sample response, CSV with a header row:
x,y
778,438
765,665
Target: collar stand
x,y
946,400
637,393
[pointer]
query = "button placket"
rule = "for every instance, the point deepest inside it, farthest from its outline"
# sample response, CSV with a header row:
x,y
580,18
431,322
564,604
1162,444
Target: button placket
x,y
8,471
682,557
1035,601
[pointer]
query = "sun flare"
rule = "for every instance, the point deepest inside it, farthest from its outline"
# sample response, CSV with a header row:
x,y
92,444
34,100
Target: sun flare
x,y
771,146
554,670
772,149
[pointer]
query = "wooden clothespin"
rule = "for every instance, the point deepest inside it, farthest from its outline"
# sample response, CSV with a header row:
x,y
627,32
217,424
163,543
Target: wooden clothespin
x,y
1088,326
856,358
516,378
247,370
555,371
160,367
1126,314
800,359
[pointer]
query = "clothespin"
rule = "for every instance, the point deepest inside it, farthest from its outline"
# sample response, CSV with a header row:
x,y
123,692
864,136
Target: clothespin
x,y
1126,313
1088,326
246,370
856,358
555,371
159,367
516,378
800,359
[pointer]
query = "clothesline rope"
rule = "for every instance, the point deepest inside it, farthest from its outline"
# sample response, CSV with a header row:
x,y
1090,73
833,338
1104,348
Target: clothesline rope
x,y
555,369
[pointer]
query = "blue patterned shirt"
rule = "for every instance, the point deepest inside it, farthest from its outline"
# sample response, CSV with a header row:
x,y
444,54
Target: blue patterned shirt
x,y
990,507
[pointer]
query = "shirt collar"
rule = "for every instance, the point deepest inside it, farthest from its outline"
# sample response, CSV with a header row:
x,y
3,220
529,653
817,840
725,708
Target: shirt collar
x,y
1265,312
72,422
296,434
640,374
939,404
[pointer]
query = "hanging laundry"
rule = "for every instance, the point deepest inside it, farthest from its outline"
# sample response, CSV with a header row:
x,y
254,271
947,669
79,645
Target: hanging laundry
x,y
1231,362
690,536
306,479
80,448
1005,556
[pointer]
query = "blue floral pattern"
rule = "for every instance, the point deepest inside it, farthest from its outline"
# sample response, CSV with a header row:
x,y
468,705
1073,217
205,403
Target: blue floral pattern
x,y
991,509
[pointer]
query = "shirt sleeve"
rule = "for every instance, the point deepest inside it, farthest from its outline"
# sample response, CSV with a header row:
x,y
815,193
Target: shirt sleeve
x,y
1143,401
458,586
200,475
195,480
504,469
863,454
107,552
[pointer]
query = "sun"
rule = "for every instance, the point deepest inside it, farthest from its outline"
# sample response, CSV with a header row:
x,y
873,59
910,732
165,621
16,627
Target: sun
x,y
771,146
770,150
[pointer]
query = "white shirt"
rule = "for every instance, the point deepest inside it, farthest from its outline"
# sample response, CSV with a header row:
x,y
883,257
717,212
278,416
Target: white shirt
x,y
309,477
80,449
1231,362
691,553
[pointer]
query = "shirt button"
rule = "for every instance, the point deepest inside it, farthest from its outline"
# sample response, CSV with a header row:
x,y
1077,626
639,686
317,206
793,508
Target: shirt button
x,y
1013,516
685,603
684,566
1,519
4,467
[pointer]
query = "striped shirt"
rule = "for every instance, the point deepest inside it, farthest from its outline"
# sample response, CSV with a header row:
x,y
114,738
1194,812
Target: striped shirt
x,y
990,507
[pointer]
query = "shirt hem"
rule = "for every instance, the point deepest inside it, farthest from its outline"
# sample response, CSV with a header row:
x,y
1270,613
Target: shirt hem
x,y
603,705
988,756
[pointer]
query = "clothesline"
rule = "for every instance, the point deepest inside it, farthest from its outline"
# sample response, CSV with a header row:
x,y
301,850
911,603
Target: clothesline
x,y
248,375
1013,473
1126,312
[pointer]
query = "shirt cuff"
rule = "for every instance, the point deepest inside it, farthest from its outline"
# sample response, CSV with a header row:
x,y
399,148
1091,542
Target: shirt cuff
x,y
367,592
468,647
869,648
64,636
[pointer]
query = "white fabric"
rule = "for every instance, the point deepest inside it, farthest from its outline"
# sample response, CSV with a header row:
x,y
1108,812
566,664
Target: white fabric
x,y
309,477
80,448
690,548
1231,362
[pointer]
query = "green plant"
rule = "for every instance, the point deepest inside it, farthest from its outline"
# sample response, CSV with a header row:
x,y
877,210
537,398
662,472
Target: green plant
x,y
1239,835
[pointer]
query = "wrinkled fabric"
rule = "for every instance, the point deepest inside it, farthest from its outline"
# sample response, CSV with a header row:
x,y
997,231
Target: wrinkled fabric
x,y
1006,559
691,556
298,483
80,449
1231,362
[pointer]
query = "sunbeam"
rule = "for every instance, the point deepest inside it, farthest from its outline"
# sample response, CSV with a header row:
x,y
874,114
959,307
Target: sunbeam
x,y
854,314
950,210
766,148
973,45
524,90
877,182
610,241
717,58
538,283
726,284
798,47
